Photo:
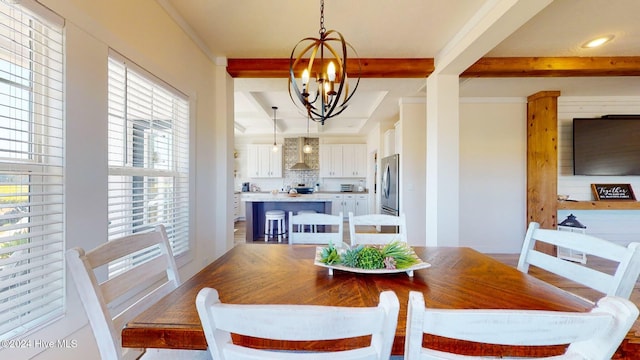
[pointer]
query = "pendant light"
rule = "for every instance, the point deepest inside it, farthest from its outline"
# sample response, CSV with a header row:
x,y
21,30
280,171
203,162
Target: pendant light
x,y
307,149
275,146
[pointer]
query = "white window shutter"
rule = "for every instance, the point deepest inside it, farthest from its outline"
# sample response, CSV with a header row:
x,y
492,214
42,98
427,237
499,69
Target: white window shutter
x,y
31,167
148,158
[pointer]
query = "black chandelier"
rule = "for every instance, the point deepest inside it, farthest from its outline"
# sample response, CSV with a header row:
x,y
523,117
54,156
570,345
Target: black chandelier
x,y
331,95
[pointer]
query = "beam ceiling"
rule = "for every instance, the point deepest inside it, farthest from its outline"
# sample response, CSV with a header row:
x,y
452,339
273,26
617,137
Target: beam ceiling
x,y
492,67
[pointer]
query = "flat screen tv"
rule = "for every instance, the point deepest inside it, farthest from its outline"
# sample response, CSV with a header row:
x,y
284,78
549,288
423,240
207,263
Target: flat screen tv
x,y
607,146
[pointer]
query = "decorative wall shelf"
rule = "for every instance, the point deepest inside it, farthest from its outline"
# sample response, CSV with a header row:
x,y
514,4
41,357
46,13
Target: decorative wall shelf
x,y
599,205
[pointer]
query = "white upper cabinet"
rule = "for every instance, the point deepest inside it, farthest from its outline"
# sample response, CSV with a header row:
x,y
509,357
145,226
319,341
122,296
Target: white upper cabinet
x,y
330,160
343,160
263,162
354,160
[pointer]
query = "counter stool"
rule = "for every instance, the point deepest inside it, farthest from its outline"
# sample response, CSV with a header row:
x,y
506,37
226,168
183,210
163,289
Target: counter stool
x,y
274,219
312,228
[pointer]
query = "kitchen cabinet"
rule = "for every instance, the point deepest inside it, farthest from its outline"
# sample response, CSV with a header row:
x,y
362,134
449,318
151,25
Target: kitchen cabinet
x,y
354,160
337,204
343,203
330,161
358,204
236,207
362,204
348,205
263,162
343,160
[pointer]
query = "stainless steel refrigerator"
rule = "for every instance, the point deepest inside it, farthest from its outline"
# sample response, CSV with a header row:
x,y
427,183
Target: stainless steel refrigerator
x,y
389,198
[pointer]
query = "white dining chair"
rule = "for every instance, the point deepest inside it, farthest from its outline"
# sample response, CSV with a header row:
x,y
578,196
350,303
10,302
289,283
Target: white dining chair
x,y
111,303
620,283
593,335
297,323
373,228
332,227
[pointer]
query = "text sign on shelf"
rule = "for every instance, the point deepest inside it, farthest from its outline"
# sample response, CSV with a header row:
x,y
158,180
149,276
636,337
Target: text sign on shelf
x,y
613,192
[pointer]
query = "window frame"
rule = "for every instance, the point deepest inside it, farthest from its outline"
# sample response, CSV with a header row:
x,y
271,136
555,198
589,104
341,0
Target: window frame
x,y
135,159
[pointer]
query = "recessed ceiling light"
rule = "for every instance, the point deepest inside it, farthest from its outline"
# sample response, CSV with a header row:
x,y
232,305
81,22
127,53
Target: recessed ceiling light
x,y
598,41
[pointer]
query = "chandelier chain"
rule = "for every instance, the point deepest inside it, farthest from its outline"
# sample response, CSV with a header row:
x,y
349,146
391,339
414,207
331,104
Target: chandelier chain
x,y
322,28
274,124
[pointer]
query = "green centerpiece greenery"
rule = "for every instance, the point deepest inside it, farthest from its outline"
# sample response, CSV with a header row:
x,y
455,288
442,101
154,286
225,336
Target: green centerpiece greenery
x,y
395,255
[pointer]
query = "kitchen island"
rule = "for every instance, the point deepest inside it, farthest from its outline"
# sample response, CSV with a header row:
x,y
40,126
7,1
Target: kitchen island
x,y
257,204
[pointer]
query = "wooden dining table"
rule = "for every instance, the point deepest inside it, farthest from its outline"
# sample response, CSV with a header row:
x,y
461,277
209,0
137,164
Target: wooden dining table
x,y
458,278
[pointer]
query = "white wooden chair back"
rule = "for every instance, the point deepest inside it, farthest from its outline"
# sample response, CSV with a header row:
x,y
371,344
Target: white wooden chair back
x,y
363,229
621,283
112,303
332,226
596,334
297,323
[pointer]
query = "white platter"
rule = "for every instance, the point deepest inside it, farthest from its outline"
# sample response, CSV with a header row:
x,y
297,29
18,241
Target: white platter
x,y
420,265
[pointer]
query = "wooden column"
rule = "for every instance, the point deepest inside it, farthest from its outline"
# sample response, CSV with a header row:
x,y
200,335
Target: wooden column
x,y
542,160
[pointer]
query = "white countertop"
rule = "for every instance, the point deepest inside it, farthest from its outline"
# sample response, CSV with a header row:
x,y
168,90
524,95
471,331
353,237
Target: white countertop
x,y
250,197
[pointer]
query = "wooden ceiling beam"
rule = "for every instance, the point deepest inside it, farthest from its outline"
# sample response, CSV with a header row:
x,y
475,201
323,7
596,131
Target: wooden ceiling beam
x,y
371,68
554,67
492,67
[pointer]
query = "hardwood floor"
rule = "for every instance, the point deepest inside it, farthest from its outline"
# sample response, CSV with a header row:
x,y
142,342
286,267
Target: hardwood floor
x,y
512,260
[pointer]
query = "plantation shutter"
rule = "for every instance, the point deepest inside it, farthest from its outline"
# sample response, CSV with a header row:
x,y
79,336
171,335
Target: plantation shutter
x,y
148,158
31,167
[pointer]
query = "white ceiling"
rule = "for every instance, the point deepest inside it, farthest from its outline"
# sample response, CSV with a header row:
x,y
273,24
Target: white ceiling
x,y
399,29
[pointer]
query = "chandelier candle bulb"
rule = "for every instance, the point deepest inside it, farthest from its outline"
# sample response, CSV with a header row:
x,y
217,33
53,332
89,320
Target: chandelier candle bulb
x,y
331,71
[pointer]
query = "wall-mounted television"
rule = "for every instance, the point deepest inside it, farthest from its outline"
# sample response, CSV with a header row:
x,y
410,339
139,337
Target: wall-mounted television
x,y
609,145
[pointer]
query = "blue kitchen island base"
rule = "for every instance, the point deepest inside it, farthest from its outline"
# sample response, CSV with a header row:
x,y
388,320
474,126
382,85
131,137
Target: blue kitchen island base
x,y
256,208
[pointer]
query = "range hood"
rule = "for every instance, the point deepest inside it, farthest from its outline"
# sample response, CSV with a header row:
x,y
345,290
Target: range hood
x,y
300,165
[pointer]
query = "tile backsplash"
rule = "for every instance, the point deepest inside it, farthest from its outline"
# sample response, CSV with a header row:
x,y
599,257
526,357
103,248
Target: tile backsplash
x,y
307,177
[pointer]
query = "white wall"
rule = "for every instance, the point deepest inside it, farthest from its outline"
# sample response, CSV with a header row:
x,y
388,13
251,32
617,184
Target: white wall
x,y
141,31
412,148
493,174
374,151
621,226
